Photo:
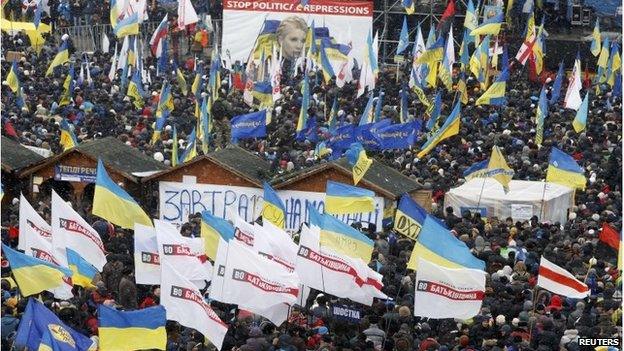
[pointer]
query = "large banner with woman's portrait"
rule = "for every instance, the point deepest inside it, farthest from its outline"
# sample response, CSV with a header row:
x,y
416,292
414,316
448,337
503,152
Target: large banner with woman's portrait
x,y
256,26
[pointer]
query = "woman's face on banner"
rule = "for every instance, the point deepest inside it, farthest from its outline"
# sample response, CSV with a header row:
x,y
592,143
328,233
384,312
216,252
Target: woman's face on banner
x,y
293,42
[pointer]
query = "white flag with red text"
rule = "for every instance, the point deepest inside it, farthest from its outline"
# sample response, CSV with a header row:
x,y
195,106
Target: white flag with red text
x,y
70,231
185,305
255,282
556,279
146,258
186,14
188,257
448,293
35,239
325,270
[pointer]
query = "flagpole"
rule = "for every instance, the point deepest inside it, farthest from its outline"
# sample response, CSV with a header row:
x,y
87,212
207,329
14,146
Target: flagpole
x,y
481,193
542,203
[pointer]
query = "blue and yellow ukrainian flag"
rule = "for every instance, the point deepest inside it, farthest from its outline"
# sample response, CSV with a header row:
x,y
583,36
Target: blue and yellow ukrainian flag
x,y
333,115
615,64
498,168
563,169
596,40
135,90
158,126
409,217
495,95
435,113
303,112
83,271
410,6
445,71
68,138
433,53
114,204
132,330
490,26
273,209
341,237
580,121
438,245
267,38
12,79
127,26
165,100
368,116
205,124
213,230
462,89
343,199
181,80
1,191
41,329
603,60
542,113
464,58
174,148
32,274
448,129
61,57
378,106
371,54
264,93
356,155
214,81
556,89
191,149
477,170
326,66
68,87
198,82
403,41
470,22
321,149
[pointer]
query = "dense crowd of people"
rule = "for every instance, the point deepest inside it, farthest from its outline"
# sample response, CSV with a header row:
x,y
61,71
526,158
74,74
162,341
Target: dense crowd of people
x,y
515,314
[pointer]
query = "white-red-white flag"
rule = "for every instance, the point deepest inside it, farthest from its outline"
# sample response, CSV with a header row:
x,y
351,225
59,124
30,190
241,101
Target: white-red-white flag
x,y
255,282
35,239
556,279
146,258
448,293
188,257
325,270
186,305
573,94
70,231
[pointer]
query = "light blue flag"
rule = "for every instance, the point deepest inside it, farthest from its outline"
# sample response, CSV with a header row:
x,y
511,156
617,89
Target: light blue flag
x,y
403,38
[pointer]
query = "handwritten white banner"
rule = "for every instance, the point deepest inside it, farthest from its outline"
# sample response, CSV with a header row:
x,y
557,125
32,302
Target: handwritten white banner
x,y
178,200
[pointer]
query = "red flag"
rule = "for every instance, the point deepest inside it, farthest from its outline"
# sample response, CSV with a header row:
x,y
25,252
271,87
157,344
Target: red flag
x,y
587,83
8,129
448,13
609,236
532,69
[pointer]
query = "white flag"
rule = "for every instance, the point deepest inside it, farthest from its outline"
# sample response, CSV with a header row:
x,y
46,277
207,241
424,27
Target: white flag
x,y
71,231
186,14
448,293
556,279
419,48
183,253
218,272
105,43
275,244
325,270
255,282
185,305
374,284
113,69
450,48
573,94
276,75
146,258
35,239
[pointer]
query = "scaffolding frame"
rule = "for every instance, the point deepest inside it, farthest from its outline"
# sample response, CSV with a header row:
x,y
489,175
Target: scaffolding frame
x,y
394,9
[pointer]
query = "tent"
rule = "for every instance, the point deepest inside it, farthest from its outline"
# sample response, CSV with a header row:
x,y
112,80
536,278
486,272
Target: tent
x,y
524,199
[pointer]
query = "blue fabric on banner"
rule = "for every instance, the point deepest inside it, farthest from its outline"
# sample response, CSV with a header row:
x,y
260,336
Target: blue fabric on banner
x,y
251,125
397,136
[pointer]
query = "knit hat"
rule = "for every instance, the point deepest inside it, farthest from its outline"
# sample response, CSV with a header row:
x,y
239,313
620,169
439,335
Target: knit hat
x,y
404,311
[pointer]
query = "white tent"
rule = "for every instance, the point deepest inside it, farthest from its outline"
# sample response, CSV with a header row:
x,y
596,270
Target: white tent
x,y
524,199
